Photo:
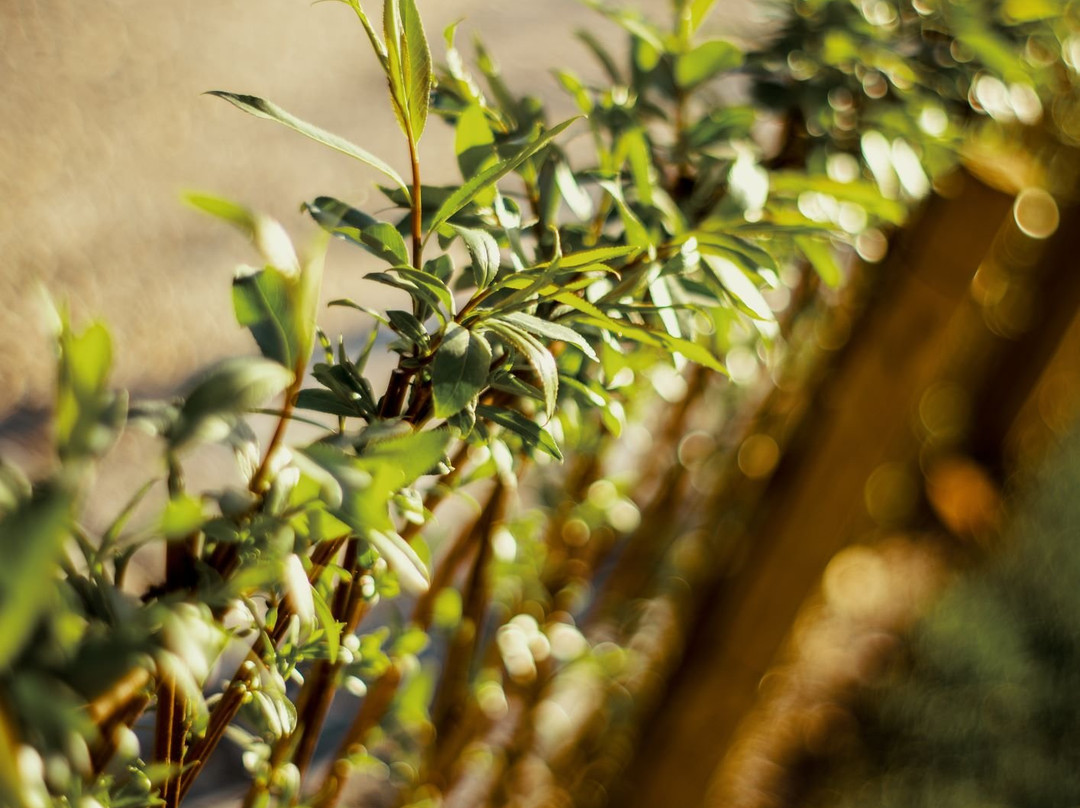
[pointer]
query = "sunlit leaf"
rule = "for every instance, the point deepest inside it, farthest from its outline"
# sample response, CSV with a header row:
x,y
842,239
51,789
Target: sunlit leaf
x,y
265,109
535,353
820,255
739,286
88,415
416,64
378,238
230,388
484,251
550,330
706,61
529,431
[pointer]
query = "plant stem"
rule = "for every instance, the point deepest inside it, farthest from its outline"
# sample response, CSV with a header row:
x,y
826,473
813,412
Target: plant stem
x,y
451,699
258,479
381,694
417,207
233,696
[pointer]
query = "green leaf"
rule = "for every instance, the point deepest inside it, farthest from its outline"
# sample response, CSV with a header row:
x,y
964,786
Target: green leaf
x,y
821,257
599,255
379,238
267,234
706,61
407,325
88,415
474,145
32,542
230,388
550,330
529,431
602,56
261,108
637,235
699,10
693,351
535,353
467,192
861,192
376,43
460,369
416,63
330,403
636,146
631,21
421,293
183,515
331,627
369,482
264,302
395,68
742,251
739,286
579,202
484,251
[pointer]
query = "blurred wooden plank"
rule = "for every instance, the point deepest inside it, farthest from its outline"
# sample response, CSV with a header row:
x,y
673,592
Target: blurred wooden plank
x,y
860,419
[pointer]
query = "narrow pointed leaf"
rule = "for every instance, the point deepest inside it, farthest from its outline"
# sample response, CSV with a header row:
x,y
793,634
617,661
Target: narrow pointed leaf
x,y
34,536
261,108
328,623
598,255
699,10
739,286
529,431
264,302
553,331
416,63
536,354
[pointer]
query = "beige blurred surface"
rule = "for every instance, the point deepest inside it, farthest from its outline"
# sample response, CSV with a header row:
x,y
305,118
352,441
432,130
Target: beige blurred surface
x,y
103,124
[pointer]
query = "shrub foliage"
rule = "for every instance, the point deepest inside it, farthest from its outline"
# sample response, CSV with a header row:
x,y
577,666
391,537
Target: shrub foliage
x,y
549,304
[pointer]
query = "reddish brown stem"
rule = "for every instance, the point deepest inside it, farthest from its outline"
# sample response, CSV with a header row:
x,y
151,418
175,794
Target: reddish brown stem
x,y
233,697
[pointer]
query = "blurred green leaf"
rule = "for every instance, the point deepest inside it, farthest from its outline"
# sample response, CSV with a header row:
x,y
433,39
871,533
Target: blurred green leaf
x,y
32,541
280,311
232,387
88,415
735,282
183,515
819,253
706,61
528,430
268,236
